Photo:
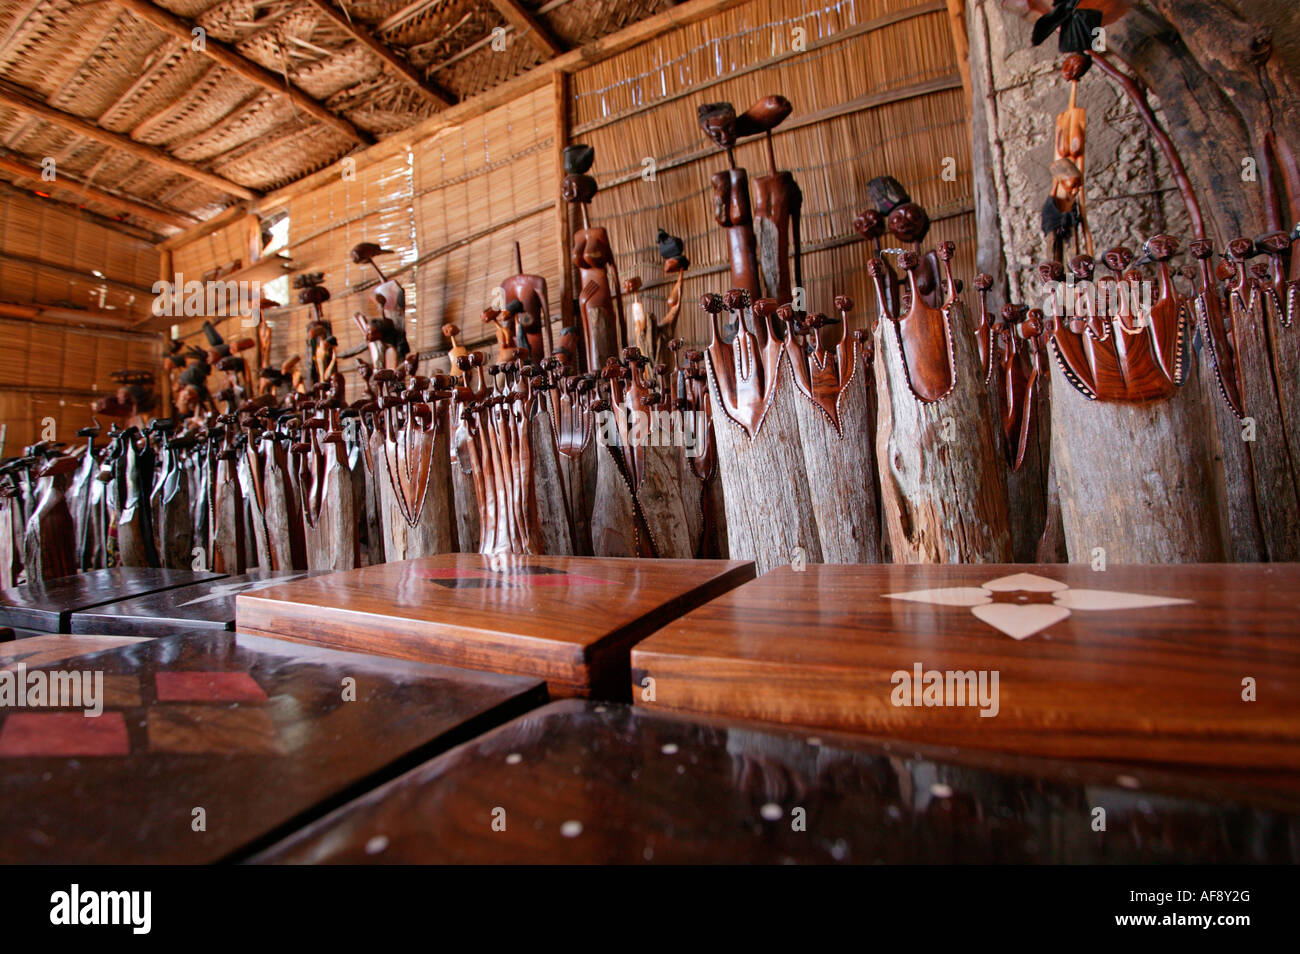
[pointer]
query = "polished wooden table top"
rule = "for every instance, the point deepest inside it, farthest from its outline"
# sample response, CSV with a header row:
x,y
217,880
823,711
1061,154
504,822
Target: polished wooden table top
x,y
210,743
578,782
568,620
49,606
1150,664
208,605
44,649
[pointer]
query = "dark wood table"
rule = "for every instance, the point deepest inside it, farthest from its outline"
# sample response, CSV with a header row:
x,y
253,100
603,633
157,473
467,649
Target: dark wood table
x,y
48,607
1137,663
208,605
250,737
568,620
578,782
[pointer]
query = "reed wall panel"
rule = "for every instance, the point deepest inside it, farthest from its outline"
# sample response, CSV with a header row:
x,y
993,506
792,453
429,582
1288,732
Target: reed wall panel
x,y
49,253
876,91
52,371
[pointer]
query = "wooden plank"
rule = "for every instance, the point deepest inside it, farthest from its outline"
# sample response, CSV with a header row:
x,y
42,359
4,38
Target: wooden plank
x,y
71,186
260,734
234,61
528,26
578,783
48,607
17,98
431,92
205,228
568,620
209,605
1135,664
960,43
560,84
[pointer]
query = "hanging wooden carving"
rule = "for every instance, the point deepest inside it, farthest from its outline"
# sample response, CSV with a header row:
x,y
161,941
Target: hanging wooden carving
x,y
510,449
941,489
1064,217
323,486
641,440
1110,346
86,503
1017,342
171,499
701,484
1235,293
756,426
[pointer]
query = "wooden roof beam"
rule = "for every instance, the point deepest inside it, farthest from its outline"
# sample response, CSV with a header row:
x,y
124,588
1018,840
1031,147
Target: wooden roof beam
x,y
433,93
16,97
234,61
529,26
66,183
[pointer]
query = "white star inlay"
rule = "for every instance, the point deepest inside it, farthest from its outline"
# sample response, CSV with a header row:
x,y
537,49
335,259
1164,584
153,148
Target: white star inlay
x,y
1023,621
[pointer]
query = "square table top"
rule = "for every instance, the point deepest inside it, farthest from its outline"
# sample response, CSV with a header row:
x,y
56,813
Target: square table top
x,y
568,620
48,606
206,605
1189,664
210,743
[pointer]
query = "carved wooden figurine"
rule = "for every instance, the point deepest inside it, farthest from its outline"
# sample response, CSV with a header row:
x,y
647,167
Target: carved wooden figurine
x,y
777,205
533,320
1064,217
49,550
731,204
600,304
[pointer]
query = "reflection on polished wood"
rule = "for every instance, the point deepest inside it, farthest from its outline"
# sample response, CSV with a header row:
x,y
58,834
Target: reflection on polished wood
x,y
209,605
577,782
46,648
259,734
568,620
1146,664
48,606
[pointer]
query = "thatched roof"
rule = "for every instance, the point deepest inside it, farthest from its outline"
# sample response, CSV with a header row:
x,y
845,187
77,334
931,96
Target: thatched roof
x,y
144,128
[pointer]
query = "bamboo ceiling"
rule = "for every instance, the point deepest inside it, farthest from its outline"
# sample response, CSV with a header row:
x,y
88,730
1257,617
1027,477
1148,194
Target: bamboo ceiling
x,y
146,129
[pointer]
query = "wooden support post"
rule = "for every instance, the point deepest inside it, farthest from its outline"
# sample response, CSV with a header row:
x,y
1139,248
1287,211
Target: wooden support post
x,y
560,84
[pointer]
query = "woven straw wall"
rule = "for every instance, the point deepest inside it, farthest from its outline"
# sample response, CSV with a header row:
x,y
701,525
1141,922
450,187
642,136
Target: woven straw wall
x,y
49,253
49,371
876,91
450,208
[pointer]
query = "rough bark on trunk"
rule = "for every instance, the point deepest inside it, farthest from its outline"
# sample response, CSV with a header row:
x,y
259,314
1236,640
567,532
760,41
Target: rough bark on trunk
x,y
942,483
1134,478
841,473
767,498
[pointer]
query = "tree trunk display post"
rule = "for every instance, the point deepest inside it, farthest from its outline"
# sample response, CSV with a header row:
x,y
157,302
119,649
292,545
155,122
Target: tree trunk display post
x,y
942,485
1218,80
